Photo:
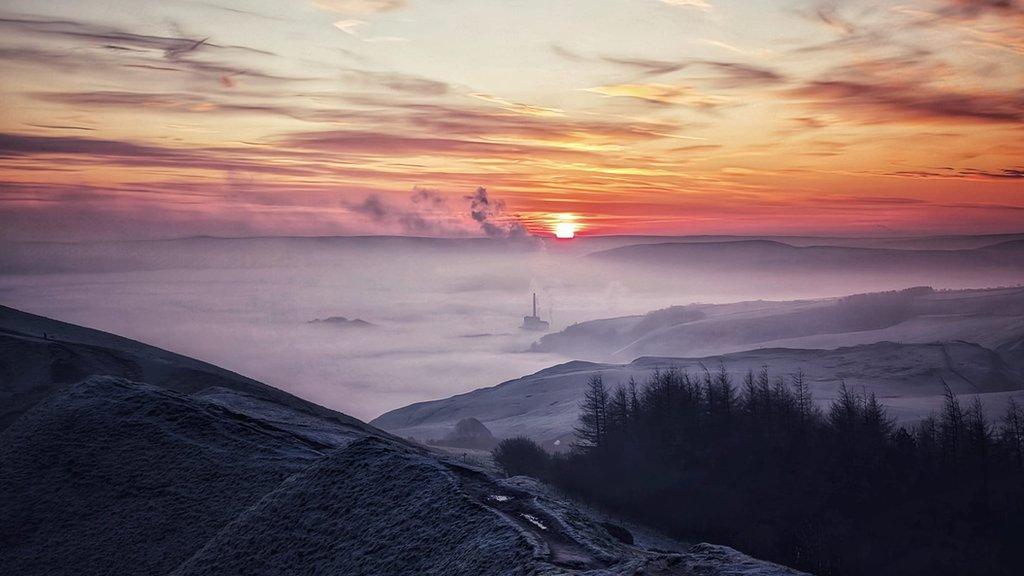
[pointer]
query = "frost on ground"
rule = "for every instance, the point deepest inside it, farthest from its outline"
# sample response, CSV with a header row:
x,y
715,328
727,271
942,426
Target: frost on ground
x,y
908,378
218,476
372,508
112,477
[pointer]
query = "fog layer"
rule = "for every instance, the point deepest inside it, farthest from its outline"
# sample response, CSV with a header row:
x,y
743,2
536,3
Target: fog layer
x,y
444,315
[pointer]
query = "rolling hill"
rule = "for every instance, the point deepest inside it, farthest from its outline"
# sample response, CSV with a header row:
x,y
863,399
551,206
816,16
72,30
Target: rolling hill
x,y
764,255
993,318
908,378
120,458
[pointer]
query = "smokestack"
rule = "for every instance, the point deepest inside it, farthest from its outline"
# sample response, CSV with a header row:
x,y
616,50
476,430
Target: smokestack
x,y
535,304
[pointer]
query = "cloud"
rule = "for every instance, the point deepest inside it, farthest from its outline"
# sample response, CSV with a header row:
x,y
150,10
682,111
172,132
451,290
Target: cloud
x,y
352,130
660,94
567,54
398,82
947,173
373,207
887,73
828,14
428,197
979,8
1004,173
699,4
895,101
425,213
386,39
12,145
169,102
518,107
738,75
645,65
172,47
110,48
380,143
992,23
350,26
360,7
73,150
732,74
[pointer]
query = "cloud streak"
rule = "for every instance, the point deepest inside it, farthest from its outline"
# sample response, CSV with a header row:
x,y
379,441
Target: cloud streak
x,y
360,7
237,119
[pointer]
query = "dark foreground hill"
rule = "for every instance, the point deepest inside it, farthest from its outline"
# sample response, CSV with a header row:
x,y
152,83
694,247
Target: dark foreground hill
x,y
201,471
39,356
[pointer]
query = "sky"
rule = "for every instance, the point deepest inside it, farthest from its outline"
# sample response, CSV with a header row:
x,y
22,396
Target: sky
x,y
503,118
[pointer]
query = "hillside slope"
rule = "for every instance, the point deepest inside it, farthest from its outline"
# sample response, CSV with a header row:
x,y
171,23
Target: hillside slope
x,y
39,356
907,377
992,318
211,473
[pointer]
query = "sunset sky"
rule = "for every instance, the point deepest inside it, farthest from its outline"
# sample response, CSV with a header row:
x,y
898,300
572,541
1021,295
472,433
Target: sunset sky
x,y
148,119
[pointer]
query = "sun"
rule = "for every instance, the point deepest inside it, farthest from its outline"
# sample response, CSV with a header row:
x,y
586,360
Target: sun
x,y
565,228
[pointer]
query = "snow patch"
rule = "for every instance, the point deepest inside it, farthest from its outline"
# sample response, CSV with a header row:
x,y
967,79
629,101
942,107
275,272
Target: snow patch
x,y
535,521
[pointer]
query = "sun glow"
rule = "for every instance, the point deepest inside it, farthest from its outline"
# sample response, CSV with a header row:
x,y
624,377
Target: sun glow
x,y
565,228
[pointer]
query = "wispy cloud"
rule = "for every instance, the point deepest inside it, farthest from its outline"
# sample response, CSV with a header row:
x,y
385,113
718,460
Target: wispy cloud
x,y
360,7
879,101
828,14
518,107
724,74
699,4
198,116
660,94
350,26
1013,9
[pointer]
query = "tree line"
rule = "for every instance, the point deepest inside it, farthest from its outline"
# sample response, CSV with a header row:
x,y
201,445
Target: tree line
x,y
842,491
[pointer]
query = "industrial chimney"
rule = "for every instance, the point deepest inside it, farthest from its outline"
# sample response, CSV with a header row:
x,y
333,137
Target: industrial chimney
x,y
533,322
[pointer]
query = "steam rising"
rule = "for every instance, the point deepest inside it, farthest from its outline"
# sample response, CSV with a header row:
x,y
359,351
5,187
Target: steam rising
x,y
492,218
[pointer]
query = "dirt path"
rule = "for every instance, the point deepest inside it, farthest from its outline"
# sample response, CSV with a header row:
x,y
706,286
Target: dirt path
x,y
521,509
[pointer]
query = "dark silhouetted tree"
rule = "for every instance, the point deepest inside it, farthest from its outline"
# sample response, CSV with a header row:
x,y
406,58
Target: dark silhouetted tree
x,y
521,456
1011,433
593,422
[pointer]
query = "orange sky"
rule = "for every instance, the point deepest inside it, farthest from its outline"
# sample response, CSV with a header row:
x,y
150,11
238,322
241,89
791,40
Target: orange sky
x,y
385,117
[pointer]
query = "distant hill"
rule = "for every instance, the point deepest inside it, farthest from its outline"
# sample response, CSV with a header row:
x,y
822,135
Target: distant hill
x,y
342,322
907,377
755,255
942,242
1011,245
920,315
205,252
